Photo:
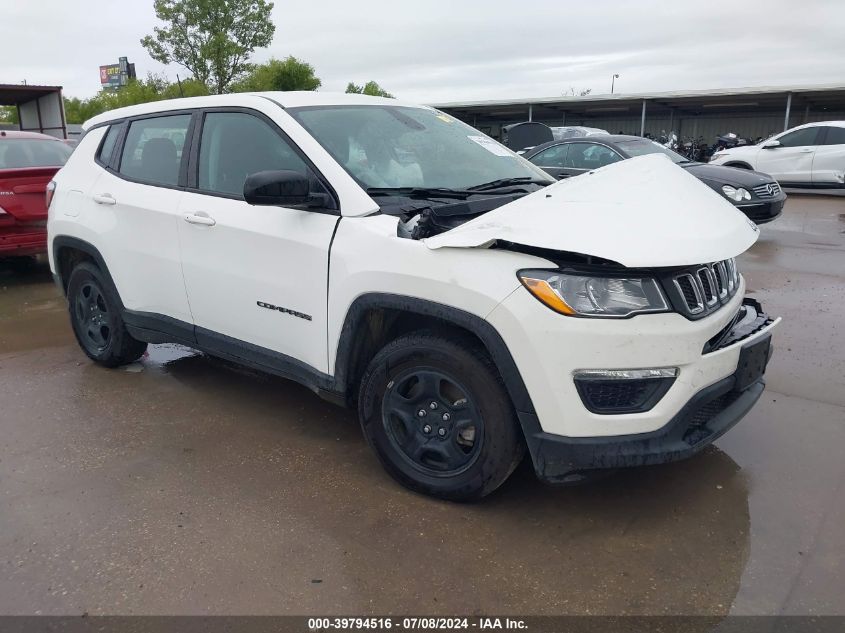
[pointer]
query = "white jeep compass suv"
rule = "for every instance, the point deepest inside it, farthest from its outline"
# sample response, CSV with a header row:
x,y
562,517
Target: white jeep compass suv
x,y
392,258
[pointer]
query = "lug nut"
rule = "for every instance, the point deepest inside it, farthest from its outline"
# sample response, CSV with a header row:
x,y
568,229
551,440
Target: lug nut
x,y
421,413
426,429
432,406
446,417
441,432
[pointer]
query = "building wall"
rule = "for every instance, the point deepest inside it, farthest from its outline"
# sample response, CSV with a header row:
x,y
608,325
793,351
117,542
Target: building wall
x,y
709,126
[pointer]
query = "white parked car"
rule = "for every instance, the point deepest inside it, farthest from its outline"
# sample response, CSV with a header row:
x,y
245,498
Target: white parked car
x,y
394,259
575,131
811,155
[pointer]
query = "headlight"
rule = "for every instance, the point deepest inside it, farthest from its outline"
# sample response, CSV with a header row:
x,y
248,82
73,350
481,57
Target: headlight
x,y
736,193
717,155
585,295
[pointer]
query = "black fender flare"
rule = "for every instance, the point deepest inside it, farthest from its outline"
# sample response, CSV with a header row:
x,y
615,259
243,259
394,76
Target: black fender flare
x,y
65,241
486,333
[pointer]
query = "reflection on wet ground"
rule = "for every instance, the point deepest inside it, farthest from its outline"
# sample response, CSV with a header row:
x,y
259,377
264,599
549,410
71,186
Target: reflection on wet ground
x,y
182,484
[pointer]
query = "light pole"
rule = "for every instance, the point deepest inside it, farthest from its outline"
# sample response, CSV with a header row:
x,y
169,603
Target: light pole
x,y
613,82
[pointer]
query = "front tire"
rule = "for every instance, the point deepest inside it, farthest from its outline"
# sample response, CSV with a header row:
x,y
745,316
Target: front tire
x,y
95,317
438,417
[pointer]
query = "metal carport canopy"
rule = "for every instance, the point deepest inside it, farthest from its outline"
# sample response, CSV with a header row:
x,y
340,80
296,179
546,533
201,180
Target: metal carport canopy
x,y
40,108
761,99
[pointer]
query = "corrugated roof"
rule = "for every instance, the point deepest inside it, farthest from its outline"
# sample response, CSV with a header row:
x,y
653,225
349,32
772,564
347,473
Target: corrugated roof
x,y
834,90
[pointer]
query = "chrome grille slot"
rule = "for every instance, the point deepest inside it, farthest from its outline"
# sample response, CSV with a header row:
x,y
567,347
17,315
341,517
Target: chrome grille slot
x,y
691,293
768,190
721,275
708,286
704,289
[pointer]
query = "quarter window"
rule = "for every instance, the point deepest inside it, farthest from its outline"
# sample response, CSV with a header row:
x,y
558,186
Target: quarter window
x,y
153,149
590,156
234,145
800,138
835,136
106,149
552,157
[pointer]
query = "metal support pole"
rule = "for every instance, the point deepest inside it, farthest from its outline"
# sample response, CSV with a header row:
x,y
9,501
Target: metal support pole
x,y
642,121
807,113
563,119
671,119
530,112
788,108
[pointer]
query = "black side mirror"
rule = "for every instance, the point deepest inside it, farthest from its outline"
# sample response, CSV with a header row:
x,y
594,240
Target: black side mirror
x,y
277,188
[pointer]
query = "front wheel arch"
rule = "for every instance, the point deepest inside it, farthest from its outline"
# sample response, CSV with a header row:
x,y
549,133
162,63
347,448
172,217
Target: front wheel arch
x,y
414,313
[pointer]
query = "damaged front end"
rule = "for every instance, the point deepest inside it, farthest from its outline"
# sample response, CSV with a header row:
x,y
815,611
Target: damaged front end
x,y
642,212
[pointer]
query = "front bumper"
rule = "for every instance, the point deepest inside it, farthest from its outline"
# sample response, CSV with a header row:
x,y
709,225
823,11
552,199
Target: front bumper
x,y
761,212
708,415
707,398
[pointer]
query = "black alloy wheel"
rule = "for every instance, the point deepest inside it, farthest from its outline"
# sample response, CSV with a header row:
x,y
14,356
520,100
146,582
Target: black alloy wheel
x,y
94,319
432,421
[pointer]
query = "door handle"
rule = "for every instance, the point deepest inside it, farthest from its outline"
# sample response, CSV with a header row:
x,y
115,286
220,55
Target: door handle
x,y
104,198
200,218
807,150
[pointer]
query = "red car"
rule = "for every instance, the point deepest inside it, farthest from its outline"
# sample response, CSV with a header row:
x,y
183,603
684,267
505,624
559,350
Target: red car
x,y
28,161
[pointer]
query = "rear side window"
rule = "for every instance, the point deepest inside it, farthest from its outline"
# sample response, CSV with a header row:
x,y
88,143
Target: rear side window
x,y
552,157
590,156
107,147
835,136
234,145
153,149
18,153
800,138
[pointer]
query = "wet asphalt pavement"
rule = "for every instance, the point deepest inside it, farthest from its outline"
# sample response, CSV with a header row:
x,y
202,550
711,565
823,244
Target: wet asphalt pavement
x,y
184,485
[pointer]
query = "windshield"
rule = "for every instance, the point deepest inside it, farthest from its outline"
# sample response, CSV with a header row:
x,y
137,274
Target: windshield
x,y
397,147
644,146
16,153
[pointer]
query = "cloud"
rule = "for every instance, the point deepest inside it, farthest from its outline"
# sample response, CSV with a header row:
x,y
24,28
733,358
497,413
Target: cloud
x,y
431,51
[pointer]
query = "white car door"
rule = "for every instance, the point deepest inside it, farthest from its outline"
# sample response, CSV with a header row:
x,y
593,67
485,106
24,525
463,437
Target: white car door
x,y
253,274
792,159
829,158
135,207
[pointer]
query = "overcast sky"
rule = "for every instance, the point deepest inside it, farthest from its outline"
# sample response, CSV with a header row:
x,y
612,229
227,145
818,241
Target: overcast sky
x,y
434,52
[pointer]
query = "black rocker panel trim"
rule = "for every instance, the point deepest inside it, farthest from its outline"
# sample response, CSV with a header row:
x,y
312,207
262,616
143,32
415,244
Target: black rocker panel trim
x,y
158,328
264,359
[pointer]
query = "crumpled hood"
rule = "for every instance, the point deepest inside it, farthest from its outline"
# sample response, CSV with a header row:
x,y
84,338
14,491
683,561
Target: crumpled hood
x,y
641,212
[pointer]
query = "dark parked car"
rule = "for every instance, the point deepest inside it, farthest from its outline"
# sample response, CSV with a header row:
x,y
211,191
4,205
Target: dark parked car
x,y
756,194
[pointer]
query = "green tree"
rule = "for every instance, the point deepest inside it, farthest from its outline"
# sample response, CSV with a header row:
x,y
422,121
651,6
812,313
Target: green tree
x,y
153,88
279,74
213,39
370,88
190,88
8,114
80,110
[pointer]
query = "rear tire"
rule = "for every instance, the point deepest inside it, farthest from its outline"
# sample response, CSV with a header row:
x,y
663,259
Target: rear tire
x,y
95,317
438,417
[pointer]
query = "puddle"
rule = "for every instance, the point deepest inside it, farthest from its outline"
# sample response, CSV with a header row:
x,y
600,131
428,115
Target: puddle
x,y
159,357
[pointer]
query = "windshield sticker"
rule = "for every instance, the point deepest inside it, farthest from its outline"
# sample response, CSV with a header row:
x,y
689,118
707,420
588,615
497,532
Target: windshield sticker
x,y
445,118
490,145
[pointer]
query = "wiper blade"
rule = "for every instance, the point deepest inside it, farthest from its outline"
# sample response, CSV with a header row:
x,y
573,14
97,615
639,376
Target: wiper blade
x,y
509,182
420,192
